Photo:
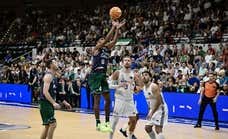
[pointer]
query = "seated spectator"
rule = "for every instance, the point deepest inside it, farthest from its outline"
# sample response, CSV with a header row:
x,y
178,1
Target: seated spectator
x,y
201,52
61,89
182,86
22,75
202,69
170,86
184,68
72,91
223,80
193,83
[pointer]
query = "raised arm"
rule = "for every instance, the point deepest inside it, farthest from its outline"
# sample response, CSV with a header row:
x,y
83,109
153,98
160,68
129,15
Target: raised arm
x,y
138,83
111,44
110,33
108,37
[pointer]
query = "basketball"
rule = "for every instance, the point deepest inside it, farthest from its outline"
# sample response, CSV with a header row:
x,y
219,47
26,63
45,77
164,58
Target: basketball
x,y
115,13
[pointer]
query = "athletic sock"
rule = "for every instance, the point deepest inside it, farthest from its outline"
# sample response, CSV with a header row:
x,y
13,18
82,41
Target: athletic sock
x,y
160,136
130,135
98,122
106,119
152,135
125,127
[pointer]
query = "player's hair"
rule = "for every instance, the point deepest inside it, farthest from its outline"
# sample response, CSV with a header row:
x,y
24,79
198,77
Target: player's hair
x,y
98,38
48,62
148,72
126,56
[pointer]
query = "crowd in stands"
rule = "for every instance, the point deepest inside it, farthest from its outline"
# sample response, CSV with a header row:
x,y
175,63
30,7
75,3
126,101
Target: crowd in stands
x,y
177,69
157,21
153,27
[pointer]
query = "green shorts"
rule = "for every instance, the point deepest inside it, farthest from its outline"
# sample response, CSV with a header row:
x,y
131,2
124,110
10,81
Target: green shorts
x,y
98,83
47,112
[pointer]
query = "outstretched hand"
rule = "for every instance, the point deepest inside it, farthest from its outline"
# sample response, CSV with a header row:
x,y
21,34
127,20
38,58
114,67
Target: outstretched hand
x,y
67,105
118,24
56,106
115,23
121,24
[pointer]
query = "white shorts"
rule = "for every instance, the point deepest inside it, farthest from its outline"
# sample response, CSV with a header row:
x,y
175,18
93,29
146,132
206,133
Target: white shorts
x,y
160,117
124,108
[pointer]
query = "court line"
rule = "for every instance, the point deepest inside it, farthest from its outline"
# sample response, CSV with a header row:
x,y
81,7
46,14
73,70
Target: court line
x,y
86,111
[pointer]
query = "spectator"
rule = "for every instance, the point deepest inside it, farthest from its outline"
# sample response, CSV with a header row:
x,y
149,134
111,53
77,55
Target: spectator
x,y
223,80
61,89
33,83
9,76
170,87
202,70
184,69
22,75
72,92
193,83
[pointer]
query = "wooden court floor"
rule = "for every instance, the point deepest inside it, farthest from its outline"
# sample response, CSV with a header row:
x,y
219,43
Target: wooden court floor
x,y
82,126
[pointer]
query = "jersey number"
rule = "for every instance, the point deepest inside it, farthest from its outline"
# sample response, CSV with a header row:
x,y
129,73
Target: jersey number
x,y
102,61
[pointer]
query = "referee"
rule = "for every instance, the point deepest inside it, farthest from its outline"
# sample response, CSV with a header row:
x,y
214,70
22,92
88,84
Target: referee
x,y
209,95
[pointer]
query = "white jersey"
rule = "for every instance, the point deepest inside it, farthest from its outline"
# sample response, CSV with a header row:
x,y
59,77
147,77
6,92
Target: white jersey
x,y
125,93
124,102
160,117
149,95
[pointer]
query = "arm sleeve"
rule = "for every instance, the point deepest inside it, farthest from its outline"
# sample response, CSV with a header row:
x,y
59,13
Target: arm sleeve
x,y
113,84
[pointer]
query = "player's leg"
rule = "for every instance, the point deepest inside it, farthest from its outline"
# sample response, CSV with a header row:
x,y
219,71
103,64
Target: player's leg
x,y
51,130
106,95
158,130
95,87
97,109
215,113
203,106
47,114
132,124
107,112
115,120
149,131
44,132
124,129
107,106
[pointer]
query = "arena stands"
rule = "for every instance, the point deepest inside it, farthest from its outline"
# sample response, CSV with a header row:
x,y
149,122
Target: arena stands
x,y
180,42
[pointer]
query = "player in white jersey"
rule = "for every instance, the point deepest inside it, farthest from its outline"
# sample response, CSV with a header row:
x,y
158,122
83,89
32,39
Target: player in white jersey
x,y
158,112
126,83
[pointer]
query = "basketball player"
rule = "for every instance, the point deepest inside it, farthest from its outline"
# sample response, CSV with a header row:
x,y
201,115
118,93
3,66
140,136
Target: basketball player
x,y
158,112
97,80
126,83
47,101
